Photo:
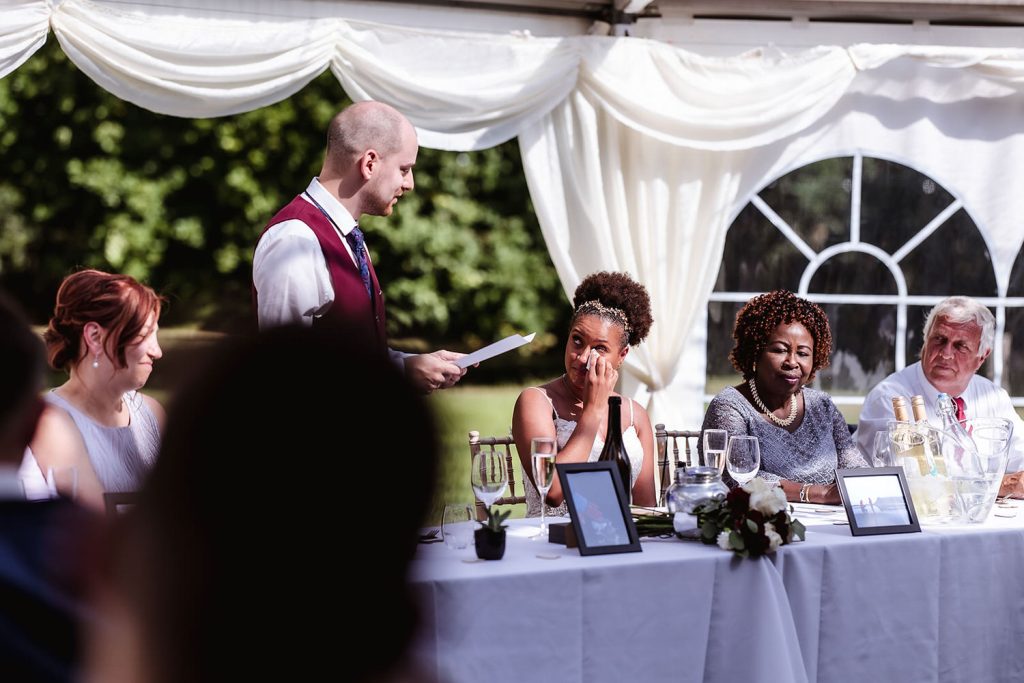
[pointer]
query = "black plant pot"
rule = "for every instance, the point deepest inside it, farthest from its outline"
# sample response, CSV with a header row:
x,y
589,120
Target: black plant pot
x,y
490,545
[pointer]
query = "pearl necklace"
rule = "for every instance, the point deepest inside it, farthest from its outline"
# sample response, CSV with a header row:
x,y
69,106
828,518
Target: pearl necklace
x,y
771,416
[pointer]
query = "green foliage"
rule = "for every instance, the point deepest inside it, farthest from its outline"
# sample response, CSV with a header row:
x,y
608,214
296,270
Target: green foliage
x,y
91,180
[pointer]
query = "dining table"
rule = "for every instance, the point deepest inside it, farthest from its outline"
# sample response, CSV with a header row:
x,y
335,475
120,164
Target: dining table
x,y
942,604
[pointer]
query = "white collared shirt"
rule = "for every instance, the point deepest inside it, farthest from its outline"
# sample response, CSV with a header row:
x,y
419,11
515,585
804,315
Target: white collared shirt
x,y
982,397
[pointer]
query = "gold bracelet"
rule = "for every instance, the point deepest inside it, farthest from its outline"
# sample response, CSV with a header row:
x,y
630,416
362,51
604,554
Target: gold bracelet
x,y
804,498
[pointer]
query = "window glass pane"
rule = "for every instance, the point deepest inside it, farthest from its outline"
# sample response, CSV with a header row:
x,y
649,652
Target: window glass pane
x,y
858,365
815,201
1013,336
896,202
953,260
757,257
853,273
1013,352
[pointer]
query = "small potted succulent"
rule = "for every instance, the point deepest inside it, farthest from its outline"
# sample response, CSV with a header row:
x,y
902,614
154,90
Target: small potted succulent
x,y
490,537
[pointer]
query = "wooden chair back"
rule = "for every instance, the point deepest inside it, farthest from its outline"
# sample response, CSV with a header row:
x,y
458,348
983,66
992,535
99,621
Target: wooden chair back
x,y
667,460
515,493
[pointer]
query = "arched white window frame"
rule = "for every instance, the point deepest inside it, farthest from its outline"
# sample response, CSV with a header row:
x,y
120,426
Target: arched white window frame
x,y
902,299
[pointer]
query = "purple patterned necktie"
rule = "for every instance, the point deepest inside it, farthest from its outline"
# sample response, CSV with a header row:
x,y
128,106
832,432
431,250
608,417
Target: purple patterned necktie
x,y
355,240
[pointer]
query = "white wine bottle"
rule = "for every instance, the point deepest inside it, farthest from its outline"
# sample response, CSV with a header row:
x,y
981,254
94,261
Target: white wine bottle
x,y
907,441
932,449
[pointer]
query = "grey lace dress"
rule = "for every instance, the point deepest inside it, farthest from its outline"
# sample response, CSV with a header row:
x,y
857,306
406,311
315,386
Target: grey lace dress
x,y
811,454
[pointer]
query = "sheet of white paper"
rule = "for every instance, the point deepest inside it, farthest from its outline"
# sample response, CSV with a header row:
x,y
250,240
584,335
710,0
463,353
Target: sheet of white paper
x,y
496,349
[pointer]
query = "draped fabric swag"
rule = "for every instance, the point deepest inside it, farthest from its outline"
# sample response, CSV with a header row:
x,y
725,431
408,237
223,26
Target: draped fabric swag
x,y
638,153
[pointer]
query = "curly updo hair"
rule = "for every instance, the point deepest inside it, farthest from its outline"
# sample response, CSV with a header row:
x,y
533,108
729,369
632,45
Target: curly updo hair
x,y
618,298
117,303
762,314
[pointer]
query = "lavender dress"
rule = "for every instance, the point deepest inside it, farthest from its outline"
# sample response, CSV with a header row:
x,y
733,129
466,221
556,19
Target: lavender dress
x,y
121,456
821,444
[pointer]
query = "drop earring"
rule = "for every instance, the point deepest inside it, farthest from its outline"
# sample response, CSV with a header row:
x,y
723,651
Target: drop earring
x,y
96,361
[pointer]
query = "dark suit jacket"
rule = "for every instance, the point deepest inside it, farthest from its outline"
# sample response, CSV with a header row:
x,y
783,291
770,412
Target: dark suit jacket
x,y
41,588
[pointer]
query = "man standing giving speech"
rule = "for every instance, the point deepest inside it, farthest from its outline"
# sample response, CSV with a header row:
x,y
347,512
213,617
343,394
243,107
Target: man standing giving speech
x,y
311,265
958,337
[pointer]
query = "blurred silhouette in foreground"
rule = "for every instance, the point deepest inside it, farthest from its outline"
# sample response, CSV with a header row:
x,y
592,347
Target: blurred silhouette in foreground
x,y
279,475
41,543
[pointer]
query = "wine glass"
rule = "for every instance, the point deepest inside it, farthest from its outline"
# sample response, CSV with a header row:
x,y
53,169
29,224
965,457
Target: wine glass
x,y
881,454
488,476
542,452
715,442
743,458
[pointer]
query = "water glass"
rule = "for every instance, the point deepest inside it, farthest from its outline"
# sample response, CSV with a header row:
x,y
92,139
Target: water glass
x,y
715,443
457,525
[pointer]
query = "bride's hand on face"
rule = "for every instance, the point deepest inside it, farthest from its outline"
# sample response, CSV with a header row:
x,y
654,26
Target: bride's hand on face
x,y
601,379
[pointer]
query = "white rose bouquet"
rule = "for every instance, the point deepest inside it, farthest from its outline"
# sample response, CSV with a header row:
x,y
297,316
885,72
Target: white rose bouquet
x,y
752,520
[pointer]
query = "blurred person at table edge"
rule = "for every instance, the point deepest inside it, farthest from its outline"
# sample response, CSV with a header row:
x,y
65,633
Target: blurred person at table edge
x,y
311,265
226,570
781,341
103,333
958,336
41,543
612,312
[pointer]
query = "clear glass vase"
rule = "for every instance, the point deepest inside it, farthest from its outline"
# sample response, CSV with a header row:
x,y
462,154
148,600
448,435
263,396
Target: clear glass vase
x,y
692,486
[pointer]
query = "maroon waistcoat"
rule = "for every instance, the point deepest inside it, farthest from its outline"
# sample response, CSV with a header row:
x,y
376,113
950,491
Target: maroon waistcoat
x,y
351,305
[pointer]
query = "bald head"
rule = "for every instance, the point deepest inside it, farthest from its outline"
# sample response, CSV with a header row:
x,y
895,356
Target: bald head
x,y
371,151
363,126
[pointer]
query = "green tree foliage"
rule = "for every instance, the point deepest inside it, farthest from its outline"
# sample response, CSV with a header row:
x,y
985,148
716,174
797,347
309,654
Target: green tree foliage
x,y
87,179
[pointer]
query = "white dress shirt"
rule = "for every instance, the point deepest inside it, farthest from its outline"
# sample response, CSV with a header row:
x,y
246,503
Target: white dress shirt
x,y
982,397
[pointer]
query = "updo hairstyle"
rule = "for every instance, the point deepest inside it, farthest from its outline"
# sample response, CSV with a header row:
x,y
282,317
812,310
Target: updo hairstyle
x,y
618,298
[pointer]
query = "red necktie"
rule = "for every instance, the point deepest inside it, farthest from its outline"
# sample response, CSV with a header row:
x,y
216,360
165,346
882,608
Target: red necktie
x,y
961,412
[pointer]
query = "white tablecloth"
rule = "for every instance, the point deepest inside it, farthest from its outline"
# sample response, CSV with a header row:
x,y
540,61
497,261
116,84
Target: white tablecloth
x,y
946,604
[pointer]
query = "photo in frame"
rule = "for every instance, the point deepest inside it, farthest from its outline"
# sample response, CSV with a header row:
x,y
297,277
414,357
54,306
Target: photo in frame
x,y
598,508
877,501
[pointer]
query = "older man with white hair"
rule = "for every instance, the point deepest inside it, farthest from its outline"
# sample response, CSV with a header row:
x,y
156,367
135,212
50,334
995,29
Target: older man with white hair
x,y
958,337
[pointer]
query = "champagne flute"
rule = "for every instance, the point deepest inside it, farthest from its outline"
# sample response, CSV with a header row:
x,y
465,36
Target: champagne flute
x,y
743,458
715,442
488,476
542,452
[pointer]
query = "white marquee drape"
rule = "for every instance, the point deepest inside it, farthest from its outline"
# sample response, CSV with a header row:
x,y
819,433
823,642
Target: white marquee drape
x,y
636,151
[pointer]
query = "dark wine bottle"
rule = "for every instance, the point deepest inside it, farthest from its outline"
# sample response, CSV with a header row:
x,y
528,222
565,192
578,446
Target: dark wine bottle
x,y
614,450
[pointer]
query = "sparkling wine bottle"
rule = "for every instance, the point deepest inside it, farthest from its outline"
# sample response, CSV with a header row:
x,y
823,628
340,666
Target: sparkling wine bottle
x,y
614,450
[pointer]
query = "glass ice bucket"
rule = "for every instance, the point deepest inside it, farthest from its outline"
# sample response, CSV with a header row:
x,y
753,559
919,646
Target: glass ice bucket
x,y
977,479
950,481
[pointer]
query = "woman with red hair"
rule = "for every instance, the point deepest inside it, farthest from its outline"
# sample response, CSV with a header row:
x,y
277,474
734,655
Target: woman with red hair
x,y
103,333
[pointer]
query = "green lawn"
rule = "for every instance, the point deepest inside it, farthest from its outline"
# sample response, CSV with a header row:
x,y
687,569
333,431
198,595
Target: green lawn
x,y
460,409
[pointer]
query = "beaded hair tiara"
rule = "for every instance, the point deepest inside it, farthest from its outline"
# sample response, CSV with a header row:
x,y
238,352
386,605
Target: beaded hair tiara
x,y
596,307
